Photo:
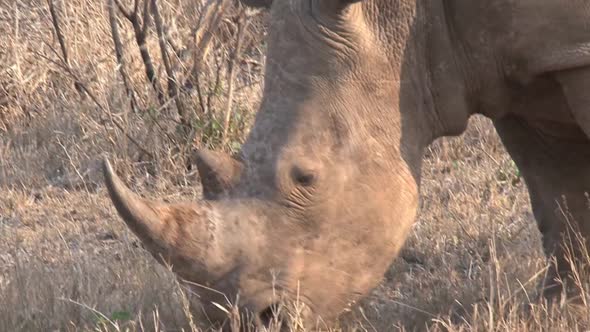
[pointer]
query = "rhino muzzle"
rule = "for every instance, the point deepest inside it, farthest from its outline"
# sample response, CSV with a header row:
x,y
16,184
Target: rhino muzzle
x,y
205,251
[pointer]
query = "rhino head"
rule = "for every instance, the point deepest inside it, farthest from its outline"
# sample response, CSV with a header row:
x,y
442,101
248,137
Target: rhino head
x,y
325,189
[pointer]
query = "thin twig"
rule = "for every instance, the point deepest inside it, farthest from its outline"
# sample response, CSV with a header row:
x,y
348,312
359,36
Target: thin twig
x,y
80,176
405,305
211,94
242,22
61,40
113,324
103,109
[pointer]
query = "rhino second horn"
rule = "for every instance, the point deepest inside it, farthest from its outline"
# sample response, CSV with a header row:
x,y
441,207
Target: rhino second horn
x,y
218,171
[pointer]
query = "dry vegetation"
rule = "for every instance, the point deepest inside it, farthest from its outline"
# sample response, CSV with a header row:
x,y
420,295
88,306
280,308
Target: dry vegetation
x,y
68,263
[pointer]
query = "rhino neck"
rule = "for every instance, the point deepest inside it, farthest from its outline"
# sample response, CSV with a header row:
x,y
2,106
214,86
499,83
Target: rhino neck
x,y
432,61
447,71
432,92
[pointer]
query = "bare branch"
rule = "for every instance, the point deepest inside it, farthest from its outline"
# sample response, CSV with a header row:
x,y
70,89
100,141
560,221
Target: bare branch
x,y
135,6
172,83
203,34
57,29
140,32
146,16
134,19
177,50
119,55
124,11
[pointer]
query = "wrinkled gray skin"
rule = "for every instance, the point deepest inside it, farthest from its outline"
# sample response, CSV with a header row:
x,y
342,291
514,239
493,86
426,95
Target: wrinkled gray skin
x,y
321,198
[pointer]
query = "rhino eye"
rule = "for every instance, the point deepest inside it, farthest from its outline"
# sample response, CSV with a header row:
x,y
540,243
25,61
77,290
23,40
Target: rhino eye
x,y
303,177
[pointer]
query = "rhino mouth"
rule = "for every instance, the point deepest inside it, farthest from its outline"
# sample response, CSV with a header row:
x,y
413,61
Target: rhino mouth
x,y
272,318
278,310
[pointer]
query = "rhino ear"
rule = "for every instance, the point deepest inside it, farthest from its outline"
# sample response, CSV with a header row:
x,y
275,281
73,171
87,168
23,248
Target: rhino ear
x,y
218,171
257,3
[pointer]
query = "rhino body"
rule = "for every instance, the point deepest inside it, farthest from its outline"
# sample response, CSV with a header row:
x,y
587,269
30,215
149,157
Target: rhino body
x,y
324,192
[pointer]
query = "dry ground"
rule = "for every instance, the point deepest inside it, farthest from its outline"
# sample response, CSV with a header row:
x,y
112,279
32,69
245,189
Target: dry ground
x,y
68,263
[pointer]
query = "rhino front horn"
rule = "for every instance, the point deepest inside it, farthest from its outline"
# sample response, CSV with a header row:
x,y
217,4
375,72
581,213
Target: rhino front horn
x,y
173,233
143,217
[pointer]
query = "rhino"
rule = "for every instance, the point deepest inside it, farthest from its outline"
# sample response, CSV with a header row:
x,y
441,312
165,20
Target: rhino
x,y
325,189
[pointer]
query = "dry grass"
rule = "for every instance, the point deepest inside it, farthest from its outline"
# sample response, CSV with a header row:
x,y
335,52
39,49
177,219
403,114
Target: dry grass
x,y
68,263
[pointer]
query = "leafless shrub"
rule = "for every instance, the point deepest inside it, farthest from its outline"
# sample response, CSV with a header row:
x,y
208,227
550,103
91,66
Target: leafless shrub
x,y
182,72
